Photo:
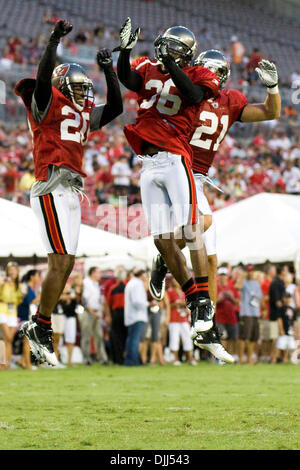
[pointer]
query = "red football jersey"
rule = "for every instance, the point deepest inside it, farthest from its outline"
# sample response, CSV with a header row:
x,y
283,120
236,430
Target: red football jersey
x,y
164,116
60,137
214,118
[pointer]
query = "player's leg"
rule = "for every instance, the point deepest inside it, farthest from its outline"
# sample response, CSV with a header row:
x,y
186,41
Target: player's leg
x,y
181,189
56,224
206,225
209,238
158,210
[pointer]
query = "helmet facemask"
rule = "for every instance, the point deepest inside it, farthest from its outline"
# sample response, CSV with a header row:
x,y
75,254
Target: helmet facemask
x,y
72,81
181,53
81,93
181,43
217,63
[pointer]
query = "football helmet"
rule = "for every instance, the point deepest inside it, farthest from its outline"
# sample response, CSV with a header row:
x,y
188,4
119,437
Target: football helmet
x,y
216,62
67,76
181,42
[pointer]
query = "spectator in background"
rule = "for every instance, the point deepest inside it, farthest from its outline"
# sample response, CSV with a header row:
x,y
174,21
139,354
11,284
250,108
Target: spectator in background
x,y
290,287
58,327
91,318
251,296
155,317
179,325
69,305
286,325
276,294
164,327
253,62
77,287
10,297
228,299
29,285
115,303
297,308
121,173
265,335
2,352
237,55
136,305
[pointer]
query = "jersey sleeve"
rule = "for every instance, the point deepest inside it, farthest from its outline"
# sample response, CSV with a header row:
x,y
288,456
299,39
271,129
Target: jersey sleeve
x,y
25,88
237,102
205,78
139,65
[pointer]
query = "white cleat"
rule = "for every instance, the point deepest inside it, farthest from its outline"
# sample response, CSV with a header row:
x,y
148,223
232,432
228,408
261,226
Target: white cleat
x,y
210,341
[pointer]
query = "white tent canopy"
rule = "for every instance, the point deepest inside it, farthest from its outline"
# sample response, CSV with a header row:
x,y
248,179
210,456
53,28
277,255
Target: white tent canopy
x,y
260,228
20,237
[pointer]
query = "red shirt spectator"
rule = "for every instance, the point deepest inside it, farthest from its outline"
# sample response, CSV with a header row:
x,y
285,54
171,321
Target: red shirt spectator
x,y
116,297
226,302
178,314
104,176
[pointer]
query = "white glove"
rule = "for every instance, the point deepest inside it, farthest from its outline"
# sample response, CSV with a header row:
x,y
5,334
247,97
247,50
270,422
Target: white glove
x,y
267,72
128,39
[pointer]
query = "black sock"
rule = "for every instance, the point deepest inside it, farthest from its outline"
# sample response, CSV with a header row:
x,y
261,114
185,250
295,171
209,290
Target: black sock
x,y
202,286
42,320
190,290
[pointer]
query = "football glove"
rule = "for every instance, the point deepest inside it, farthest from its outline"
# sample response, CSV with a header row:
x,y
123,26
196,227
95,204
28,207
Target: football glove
x,y
163,51
61,28
128,39
267,73
104,59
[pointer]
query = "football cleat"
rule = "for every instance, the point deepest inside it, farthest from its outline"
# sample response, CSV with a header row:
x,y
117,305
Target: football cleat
x,y
210,341
40,342
157,283
202,313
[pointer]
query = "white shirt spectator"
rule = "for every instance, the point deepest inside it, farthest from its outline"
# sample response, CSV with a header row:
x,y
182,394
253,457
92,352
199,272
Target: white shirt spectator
x,y
121,172
292,180
136,303
92,294
238,152
280,143
295,153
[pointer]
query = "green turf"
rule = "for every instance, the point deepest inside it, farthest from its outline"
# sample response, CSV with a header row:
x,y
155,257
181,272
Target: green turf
x,y
113,407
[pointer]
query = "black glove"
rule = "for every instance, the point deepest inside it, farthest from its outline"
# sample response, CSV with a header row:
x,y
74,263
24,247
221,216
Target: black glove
x,y
163,50
104,59
61,28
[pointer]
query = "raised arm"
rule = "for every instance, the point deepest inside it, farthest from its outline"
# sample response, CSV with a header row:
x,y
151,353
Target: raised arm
x,y
104,114
193,93
42,92
128,39
271,108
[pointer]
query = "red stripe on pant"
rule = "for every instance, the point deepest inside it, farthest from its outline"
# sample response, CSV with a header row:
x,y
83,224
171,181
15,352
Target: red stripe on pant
x,y
193,194
52,225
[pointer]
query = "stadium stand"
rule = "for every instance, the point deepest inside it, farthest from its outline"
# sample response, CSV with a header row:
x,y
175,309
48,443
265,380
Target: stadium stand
x,y
26,24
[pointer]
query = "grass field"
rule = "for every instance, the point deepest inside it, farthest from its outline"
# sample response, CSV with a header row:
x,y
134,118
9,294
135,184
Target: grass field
x,y
162,408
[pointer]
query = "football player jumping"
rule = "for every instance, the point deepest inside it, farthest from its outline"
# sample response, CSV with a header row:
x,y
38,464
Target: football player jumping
x,y
61,112
169,92
214,118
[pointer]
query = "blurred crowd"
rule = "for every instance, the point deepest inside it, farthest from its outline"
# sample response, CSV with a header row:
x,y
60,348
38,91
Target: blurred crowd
x,y
263,157
112,319
240,170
